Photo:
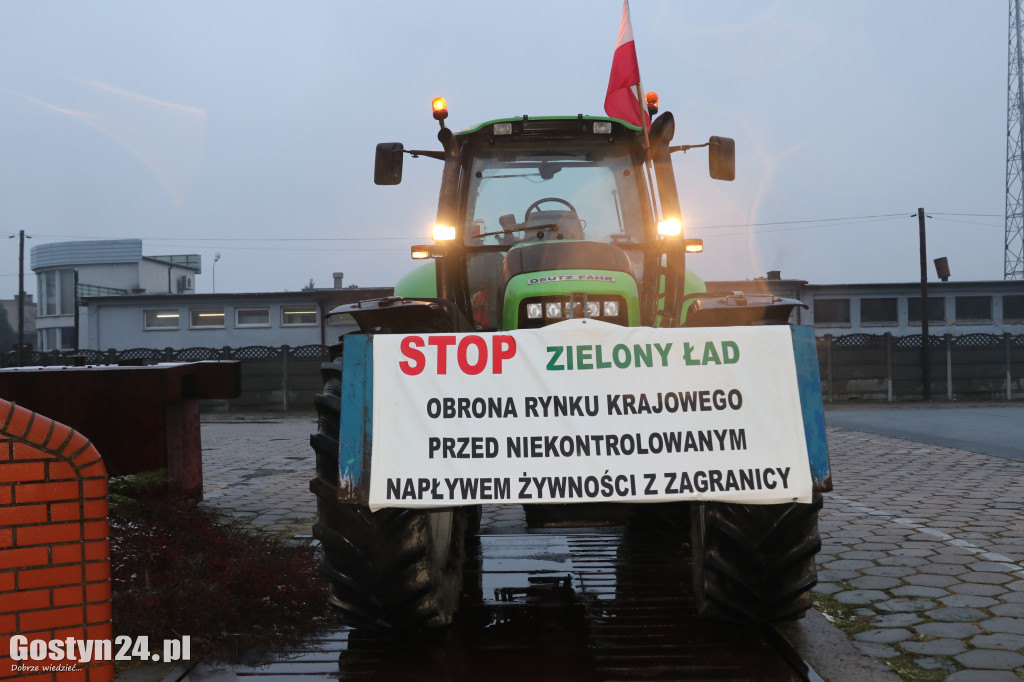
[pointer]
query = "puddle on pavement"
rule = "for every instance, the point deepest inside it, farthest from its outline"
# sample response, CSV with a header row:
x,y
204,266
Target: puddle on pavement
x,y
572,607
264,473
521,618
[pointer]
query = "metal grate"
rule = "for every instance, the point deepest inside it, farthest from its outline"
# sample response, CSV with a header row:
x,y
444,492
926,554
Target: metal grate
x,y
978,341
92,357
140,354
195,354
256,353
858,341
310,352
914,341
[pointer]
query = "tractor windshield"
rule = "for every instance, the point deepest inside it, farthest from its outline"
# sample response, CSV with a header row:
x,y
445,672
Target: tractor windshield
x,y
519,193
587,189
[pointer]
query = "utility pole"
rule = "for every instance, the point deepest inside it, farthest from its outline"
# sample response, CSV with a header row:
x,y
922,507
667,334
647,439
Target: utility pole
x,y
78,314
925,365
21,298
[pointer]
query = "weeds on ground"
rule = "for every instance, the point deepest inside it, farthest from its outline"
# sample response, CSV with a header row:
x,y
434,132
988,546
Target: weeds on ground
x,y
843,616
908,669
187,571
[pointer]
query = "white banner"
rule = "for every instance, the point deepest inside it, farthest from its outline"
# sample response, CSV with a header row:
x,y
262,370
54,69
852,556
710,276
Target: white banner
x,y
586,411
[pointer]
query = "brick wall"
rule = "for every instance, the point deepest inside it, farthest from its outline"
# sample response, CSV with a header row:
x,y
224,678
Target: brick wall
x,y
54,544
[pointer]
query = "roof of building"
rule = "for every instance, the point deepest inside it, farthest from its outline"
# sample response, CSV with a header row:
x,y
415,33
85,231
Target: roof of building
x,y
102,251
339,295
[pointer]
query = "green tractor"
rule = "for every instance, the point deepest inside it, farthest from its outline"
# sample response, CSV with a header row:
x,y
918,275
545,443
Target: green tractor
x,y
540,220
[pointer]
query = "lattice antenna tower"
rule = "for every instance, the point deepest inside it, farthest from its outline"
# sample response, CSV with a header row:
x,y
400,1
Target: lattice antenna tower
x,y
1013,267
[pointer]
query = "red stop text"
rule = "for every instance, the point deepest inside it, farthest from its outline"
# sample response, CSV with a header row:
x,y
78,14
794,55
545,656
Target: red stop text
x,y
472,354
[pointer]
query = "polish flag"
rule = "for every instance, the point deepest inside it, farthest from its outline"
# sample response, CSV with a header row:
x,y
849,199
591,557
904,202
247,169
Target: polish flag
x,y
621,101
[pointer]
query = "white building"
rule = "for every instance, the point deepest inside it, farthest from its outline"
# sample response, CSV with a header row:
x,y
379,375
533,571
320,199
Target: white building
x,y
955,308
292,318
98,268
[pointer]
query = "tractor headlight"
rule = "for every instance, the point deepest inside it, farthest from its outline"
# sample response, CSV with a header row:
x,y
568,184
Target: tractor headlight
x,y
443,233
593,308
611,308
670,227
534,311
553,310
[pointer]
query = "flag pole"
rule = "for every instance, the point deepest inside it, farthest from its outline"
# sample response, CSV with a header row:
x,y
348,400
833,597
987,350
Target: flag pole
x,y
640,100
647,142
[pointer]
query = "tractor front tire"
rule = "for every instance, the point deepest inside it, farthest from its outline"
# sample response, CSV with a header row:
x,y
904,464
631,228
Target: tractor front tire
x,y
391,570
754,563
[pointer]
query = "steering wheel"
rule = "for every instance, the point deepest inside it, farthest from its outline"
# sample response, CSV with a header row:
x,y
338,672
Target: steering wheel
x,y
534,205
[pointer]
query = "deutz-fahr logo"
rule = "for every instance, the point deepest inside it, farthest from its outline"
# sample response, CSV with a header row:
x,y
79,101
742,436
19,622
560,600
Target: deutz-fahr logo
x,y
571,278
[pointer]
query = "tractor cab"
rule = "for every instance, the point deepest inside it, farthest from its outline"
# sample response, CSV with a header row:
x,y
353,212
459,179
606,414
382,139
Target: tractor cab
x,y
543,219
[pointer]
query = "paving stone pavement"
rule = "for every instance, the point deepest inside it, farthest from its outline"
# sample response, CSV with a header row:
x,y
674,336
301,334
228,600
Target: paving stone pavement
x,y
922,560
257,468
924,545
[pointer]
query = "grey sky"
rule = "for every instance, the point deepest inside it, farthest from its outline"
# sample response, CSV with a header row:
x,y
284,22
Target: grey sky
x,y
207,127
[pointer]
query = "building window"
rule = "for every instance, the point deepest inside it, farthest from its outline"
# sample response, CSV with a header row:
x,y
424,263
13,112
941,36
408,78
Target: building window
x,y
252,317
206,318
47,295
67,292
294,316
831,311
878,311
973,308
67,338
57,293
56,338
936,310
1013,308
48,339
161,319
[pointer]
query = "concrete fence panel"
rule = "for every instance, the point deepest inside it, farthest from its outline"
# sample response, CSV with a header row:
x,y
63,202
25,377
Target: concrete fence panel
x,y
859,367
907,363
980,362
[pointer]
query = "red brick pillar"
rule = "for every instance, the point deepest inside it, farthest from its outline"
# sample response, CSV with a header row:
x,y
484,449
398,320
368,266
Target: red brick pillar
x,y
54,545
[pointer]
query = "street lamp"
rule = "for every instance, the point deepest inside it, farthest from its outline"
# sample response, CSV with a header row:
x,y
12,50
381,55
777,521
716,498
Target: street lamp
x,y
216,257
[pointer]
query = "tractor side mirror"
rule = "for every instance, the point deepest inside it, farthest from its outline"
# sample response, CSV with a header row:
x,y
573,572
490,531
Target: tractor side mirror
x,y
387,169
722,158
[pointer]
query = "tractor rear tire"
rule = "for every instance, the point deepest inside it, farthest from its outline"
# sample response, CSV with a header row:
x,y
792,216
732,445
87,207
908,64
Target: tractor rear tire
x,y
666,519
391,570
754,563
